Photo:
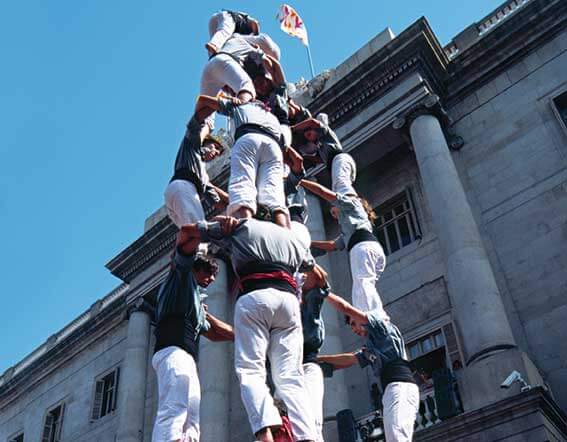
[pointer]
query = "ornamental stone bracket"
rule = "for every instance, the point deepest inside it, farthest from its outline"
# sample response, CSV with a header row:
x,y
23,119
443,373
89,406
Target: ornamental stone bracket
x,y
139,305
430,105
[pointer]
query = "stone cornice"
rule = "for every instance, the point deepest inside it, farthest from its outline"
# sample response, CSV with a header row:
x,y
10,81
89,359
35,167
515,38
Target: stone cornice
x,y
416,48
529,28
462,426
64,350
144,251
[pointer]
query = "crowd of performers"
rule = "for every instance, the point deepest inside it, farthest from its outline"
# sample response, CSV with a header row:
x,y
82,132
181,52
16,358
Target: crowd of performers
x,y
281,288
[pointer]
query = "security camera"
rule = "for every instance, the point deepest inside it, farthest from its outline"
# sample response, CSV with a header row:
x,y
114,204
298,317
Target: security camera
x,y
513,377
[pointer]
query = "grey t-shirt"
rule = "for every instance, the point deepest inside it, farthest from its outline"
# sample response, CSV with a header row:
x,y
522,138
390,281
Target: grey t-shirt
x,y
384,343
240,48
258,241
352,216
253,112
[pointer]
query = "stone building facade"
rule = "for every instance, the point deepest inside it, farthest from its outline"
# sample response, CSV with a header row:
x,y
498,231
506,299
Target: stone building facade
x,y
463,151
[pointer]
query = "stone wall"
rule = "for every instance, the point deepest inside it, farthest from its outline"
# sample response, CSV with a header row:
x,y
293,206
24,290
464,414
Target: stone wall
x,y
73,382
514,169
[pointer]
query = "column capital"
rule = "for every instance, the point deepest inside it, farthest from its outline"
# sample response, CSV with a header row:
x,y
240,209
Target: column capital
x,y
139,305
430,105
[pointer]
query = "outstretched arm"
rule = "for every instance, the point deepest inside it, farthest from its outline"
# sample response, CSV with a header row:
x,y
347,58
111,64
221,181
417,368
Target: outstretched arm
x,y
219,330
345,307
319,190
328,246
222,195
342,360
310,123
205,106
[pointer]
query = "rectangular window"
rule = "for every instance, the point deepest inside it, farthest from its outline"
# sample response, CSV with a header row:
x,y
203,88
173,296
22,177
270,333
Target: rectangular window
x,y
53,424
397,226
18,438
437,350
560,103
106,394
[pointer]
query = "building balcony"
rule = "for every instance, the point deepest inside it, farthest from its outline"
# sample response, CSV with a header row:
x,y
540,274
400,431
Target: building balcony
x,y
533,414
369,427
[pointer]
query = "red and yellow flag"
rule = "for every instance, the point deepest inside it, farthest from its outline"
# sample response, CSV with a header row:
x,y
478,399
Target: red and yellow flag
x,y
292,24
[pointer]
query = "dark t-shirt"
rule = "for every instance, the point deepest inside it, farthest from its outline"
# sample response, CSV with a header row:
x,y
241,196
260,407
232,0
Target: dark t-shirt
x,y
312,322
189,165
180,315
385,351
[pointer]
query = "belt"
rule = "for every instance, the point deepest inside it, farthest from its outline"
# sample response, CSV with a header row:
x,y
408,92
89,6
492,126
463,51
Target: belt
x,y
252,128
278,280
359,236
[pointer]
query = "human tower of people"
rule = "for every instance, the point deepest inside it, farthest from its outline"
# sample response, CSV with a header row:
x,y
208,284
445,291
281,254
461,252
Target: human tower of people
x,y
281,289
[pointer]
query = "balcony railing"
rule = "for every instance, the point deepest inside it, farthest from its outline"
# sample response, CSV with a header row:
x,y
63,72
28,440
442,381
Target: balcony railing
x,y
369,427
427,414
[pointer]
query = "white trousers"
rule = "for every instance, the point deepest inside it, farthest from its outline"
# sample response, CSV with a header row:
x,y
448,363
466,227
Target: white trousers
x,y
256,173
267,322
220,71
315,390
221,27
179,396
401,404
183,203
343,174
367,262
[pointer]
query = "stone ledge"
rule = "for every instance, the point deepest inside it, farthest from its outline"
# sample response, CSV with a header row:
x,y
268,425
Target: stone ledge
x,y
533,413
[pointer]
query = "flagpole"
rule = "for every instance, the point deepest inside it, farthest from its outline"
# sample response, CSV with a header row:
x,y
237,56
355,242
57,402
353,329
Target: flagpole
x,y
310,61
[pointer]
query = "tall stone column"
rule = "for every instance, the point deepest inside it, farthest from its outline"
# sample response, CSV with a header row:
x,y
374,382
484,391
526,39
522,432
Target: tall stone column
x,y
336,394
489,345
214,366
133,377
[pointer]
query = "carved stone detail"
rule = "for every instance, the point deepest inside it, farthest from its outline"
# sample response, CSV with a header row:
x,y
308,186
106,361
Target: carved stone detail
x,y
430,105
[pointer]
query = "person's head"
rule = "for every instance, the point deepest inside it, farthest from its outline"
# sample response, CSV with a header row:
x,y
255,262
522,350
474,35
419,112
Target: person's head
x,y
311,135
310,153
263,85
358,329
211,149
369,210
205,270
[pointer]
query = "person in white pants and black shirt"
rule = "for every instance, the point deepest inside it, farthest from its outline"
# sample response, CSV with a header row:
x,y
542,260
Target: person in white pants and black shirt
x,y
256,158
267,320
190,194
385,352
367,258
181,319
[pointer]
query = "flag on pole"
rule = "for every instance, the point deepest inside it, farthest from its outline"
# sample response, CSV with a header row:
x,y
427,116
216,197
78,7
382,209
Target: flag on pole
x,y
292,24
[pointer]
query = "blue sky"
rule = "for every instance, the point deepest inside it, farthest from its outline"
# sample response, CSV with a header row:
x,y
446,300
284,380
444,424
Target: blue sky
x,y
94,96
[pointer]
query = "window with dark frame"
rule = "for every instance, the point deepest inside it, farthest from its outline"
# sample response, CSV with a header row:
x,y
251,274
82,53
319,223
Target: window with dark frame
x,y
106,394
434,351
53,424
560,103
18,438
397,225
